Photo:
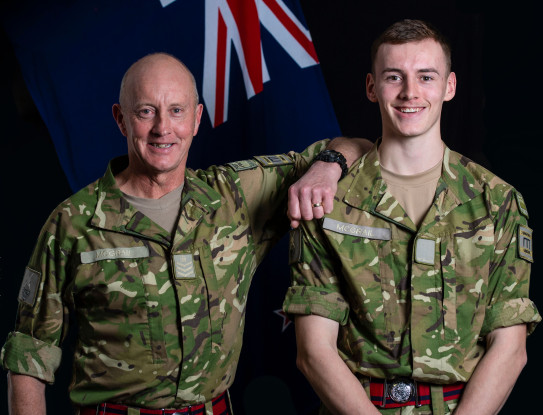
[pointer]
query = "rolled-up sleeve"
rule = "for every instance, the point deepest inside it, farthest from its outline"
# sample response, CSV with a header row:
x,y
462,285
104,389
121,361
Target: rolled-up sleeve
x,y
314,288
508,301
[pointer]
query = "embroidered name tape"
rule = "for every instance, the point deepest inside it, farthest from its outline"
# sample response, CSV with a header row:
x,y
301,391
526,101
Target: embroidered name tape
x,y
114,253
356,230
525,249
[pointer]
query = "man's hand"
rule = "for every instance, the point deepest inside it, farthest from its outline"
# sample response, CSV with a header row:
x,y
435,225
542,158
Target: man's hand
x,y
313,195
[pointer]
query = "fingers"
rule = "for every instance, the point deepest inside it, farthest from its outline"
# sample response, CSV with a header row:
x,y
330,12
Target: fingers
x,y
328,201
312,196
311,205
293,207
294,224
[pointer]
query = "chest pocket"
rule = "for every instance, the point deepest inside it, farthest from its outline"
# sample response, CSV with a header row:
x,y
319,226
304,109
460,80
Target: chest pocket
x,y
464,258
373,276
119,292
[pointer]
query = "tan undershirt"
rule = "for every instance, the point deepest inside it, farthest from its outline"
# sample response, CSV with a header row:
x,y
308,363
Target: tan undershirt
x,y
163,211
416,192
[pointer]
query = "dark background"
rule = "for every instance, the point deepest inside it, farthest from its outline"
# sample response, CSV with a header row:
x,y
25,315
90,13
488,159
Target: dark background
x,y
494,119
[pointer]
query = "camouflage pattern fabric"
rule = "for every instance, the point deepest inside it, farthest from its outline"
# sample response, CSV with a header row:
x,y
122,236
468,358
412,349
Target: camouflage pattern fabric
x,y
160,321
416,302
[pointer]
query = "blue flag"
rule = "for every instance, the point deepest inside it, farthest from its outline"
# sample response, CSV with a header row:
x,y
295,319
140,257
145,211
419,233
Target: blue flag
x,y
259,79
254,63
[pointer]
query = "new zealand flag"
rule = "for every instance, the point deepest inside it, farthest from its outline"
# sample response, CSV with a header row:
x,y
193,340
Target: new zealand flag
x,y
259,79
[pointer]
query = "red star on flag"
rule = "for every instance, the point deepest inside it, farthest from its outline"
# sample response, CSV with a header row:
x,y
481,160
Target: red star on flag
x,y
286,320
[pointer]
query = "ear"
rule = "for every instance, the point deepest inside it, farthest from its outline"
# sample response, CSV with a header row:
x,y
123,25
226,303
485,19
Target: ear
x,y
451,87
370,88
197,118
119,118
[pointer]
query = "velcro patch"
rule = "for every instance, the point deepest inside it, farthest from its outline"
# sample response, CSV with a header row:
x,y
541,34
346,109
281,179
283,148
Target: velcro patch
x,y
425,251
274,160
369,232
184,267
525,249
243,165
29,286
522,205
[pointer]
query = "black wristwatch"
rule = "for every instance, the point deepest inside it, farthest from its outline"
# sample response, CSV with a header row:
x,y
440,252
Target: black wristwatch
x,y
332,156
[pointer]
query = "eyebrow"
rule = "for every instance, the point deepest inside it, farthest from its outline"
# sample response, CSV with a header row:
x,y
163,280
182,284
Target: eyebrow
x,y
422,70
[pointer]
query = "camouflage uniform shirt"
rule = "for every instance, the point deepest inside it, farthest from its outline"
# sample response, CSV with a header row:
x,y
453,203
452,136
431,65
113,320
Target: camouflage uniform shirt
x,y
416,302
160,319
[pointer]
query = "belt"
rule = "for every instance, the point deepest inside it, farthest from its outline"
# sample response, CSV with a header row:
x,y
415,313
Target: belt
x,y
220,407
405,392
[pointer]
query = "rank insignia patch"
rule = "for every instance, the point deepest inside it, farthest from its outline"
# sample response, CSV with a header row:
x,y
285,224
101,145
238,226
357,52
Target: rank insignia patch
x,y
525,249
274,160
29,287
243,165
184,268
522,205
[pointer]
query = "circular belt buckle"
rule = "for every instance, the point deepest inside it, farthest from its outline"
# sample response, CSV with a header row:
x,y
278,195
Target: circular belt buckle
x,y
401,390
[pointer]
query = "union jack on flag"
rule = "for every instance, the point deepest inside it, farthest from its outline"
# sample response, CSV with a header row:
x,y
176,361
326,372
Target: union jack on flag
x,y
237,23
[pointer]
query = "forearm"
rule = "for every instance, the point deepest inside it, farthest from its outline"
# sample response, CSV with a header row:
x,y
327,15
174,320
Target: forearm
x,y
352,148
339,390
496,374
26,395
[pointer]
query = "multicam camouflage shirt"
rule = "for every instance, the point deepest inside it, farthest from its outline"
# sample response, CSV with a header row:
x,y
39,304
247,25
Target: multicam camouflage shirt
x,y
160,321
416,302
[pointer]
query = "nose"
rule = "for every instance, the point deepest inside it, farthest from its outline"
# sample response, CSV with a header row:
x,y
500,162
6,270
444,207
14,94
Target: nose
x,y
409,89
162,125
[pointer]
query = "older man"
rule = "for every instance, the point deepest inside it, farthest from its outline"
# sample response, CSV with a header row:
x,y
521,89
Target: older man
x,y
155,261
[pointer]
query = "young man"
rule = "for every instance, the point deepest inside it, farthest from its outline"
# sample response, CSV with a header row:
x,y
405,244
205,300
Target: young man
x,y
154,261
412,295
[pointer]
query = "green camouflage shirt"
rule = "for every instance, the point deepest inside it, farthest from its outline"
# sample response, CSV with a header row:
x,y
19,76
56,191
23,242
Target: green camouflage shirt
x,y
416,302
160,322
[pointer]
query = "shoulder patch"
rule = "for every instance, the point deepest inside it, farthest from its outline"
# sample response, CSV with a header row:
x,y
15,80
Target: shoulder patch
x,y
243,165
525,249
29,286
521,205
274,160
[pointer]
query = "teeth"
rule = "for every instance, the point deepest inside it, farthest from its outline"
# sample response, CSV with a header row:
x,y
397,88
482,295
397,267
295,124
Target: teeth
x,y
410,109
162,145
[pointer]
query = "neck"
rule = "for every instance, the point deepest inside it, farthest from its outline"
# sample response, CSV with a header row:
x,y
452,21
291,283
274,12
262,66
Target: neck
x,y
410,155
149,186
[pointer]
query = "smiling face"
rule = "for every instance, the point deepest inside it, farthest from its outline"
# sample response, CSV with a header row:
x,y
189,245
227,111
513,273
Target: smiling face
x,y
159,115
410,82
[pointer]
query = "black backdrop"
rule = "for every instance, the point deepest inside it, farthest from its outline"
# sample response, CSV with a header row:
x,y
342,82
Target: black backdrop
x,y
494,119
